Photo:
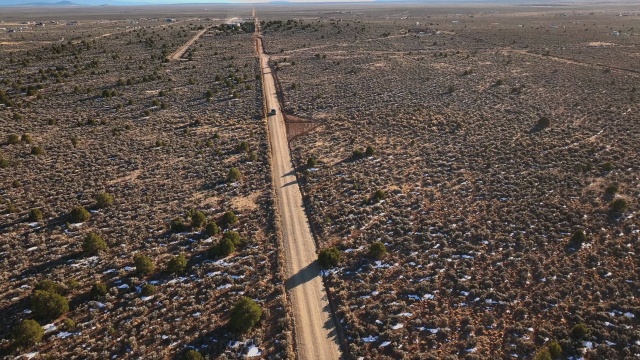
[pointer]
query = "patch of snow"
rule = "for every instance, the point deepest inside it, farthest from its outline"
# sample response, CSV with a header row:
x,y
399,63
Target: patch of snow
x,y
386,343
253,351
378,322
145,298
375,293
110,271
429,296
397,326
123,286
128,268
414,297
32,248
49,328
370,339
406,314
64,334
629,315
30,355
27,311
225,286
472,350
197,314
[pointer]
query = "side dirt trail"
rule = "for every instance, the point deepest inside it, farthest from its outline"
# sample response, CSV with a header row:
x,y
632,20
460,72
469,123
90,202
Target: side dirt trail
x,y
314,329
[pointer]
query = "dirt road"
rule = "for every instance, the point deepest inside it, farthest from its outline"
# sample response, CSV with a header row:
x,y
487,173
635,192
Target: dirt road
x,y
314,329
183,49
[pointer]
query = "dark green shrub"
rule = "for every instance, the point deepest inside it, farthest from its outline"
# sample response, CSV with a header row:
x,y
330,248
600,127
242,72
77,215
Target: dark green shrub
x,y
253,156
144,265
223,248
148,290
37,150
178,225
104,200
68,325
329,257
198,219
27,332
543,355
499,82
451,89
26,138
378,196
370,151
606,167
51,286
79,214
11,208
578,238
35,215
611,190
357,154
93,244
177,264
245,314
228,218
234,237
242,147
234,175
312,162
13,139
543,122
377,250
48,305
4,163
192,355
555,350
212,229
98,291
579,331
618,206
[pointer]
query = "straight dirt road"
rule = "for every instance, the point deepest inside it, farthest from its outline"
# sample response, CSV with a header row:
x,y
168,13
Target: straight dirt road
x,y
315,332
183,49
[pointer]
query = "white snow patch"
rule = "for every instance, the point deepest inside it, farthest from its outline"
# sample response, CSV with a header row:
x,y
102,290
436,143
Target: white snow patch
x,y
397,326
370,339
123,286
253,351
64,334
386,343
49,328
225,286
629,315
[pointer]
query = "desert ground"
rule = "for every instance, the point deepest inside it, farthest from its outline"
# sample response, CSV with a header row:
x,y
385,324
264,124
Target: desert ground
x,y
492,150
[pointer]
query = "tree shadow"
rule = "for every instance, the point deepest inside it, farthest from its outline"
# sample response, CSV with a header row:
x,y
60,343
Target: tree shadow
x,y
305,275
290,183
47,266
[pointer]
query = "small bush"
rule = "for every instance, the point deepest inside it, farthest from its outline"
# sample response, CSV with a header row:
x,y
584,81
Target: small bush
x,y
198,219
79,214
543,122
177,264
611,190
13,139
37,150
499,82
178,225
68,325
579,331
223,248
377,250
212,229
192,355
242,147
48,305
378,196
51,286
144,265
543,355
357,154
606,167
228,218
234,175
26,138
27,332
245,314
234,237
4,163
35,215
104,200
312,162
618,206
148,290
578,238
329,257
93,244
370,151
98,291
555,350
